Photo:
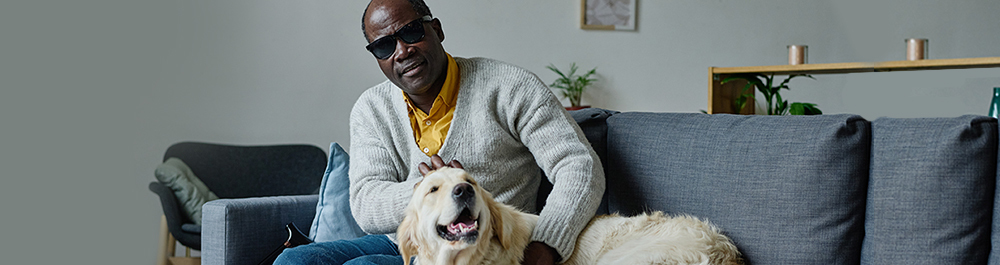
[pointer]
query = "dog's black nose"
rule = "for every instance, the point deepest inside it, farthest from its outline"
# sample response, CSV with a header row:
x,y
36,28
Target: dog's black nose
x,y
463,191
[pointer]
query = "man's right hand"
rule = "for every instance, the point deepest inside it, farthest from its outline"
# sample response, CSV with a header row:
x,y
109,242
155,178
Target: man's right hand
x,y
437,163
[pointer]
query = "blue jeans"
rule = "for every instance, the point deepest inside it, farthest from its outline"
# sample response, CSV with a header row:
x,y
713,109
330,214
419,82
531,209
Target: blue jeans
x,y
370,249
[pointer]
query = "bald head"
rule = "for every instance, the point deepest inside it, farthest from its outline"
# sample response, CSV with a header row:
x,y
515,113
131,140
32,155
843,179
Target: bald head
x,y
418,6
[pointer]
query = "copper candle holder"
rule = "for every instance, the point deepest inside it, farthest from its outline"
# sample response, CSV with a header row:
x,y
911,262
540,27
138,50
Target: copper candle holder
x,y
797,54
916,49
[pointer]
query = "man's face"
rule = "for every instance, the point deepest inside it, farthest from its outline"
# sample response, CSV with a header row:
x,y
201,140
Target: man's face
x,y
417,68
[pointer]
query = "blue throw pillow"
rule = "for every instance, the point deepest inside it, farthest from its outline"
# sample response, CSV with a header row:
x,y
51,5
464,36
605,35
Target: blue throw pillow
x,y
333,219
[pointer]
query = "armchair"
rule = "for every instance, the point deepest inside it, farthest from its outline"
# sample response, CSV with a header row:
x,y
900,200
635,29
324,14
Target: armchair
x,y
232,171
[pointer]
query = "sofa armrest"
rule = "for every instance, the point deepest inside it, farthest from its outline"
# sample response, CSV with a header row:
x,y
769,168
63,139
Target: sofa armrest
x,y
246,230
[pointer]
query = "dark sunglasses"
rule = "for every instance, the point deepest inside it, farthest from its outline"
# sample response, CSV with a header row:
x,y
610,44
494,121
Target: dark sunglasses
x,y
412,33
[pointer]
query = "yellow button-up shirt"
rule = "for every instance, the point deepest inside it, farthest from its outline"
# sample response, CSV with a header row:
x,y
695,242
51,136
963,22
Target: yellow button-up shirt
x,y
430,129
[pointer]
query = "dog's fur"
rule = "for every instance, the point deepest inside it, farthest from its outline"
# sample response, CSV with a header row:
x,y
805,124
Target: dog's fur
x,y
445,225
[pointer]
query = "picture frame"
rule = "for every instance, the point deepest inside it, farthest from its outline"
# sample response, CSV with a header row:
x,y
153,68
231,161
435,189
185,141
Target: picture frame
x,y
607,14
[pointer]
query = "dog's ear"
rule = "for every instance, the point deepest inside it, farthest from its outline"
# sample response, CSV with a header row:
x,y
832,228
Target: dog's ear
x,y
405,234
503,231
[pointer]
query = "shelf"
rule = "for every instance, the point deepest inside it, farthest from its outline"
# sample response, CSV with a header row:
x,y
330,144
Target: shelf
x,y
938,64
826,68
847,68
721,97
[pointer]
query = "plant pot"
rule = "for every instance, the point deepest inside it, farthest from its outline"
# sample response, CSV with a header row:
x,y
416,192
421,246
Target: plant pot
x,y
578,107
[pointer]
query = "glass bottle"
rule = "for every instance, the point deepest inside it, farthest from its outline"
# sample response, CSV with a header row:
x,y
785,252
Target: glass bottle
x,y
995,106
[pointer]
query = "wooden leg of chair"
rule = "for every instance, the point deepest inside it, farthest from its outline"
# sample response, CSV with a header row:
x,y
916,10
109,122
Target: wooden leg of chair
x,y
171,246
186,259
165,243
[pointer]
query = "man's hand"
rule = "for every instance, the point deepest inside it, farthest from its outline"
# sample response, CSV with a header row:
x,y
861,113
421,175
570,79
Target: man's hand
x,y
437,163
539,253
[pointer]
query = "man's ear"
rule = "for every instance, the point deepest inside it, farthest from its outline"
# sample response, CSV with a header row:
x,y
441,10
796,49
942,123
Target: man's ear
x,y
405,235
436,24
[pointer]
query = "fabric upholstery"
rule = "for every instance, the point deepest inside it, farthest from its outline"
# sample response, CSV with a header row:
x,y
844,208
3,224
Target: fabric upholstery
x,y
244,231
931,178
191,228
253,171
191,193
333,219
595,127
786,189
994,257
592,122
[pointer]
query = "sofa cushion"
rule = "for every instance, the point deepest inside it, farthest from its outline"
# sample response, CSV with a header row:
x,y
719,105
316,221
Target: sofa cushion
x,y
930,198
334,220
786,189
592,122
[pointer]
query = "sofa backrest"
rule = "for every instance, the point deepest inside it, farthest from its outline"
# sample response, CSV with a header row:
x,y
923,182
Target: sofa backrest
x,y
932,191
233,171
592,122
786,189
830,189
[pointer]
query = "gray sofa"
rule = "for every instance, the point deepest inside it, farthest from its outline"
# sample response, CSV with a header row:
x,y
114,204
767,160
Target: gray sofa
x,y
828,189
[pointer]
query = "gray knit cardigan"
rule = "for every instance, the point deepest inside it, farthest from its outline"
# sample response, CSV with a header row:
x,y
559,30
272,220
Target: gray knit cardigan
x,y
507,125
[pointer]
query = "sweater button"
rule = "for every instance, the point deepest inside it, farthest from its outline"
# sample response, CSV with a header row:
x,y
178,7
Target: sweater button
x,y
427,150
427,122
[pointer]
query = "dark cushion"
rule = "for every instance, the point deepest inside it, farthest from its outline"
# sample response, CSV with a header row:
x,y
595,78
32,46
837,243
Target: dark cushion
x,y
592,123
930,198
253,171
786,189
191,228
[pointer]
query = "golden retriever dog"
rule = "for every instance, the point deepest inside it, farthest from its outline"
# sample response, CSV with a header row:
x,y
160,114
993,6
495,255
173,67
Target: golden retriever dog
x,y
451,220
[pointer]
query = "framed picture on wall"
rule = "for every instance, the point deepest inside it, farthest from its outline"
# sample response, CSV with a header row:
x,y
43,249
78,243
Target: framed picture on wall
x,y
607,14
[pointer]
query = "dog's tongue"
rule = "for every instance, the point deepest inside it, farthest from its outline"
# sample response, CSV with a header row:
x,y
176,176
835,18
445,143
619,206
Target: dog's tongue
x,y
459,227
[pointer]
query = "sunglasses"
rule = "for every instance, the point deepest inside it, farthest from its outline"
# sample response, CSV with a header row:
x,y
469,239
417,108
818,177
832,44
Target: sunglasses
x,y
412,33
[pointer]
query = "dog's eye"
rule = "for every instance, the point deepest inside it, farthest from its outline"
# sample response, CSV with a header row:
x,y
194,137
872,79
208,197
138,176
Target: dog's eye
x,y
433,189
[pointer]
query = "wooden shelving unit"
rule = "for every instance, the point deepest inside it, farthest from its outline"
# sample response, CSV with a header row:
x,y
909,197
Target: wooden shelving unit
x,y
721,97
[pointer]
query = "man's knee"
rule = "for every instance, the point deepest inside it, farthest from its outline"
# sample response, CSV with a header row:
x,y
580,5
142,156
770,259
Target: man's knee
x,y
342,251
305,254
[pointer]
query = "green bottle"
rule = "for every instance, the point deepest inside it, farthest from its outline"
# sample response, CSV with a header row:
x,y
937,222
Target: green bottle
x,y
995,106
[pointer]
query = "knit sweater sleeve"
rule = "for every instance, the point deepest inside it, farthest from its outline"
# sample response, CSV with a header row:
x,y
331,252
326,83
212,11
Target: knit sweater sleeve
x,y
565,155
379,192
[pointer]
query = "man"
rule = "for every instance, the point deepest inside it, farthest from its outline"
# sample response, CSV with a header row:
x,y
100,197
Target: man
x,y
500,120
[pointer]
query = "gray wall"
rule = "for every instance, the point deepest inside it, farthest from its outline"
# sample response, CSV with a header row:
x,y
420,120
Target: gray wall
x,y
94,91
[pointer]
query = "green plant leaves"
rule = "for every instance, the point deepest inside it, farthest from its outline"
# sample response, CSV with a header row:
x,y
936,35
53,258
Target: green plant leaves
x,y
571,83
799,108
771,94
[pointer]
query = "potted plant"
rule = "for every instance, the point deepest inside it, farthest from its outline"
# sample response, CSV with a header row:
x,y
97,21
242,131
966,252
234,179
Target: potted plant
x,y
772,94
572,85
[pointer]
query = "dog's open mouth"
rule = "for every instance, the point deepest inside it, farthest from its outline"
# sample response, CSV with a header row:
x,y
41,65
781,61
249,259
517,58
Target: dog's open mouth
x,y
465,227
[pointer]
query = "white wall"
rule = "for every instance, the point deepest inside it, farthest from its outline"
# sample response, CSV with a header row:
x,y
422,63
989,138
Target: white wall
x,y
94,91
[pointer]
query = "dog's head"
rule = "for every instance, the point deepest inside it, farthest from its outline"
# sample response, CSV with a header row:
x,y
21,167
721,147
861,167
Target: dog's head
x,y
450,211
